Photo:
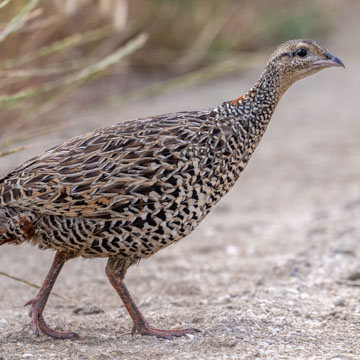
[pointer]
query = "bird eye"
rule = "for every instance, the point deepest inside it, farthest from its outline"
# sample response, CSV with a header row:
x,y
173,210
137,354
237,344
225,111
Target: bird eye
x,y
301,52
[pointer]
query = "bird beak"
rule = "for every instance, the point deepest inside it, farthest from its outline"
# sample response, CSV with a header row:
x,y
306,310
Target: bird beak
x,y
330,60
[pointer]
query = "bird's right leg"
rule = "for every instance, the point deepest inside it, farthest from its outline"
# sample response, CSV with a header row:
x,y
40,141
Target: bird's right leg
x,y
38,303
115,270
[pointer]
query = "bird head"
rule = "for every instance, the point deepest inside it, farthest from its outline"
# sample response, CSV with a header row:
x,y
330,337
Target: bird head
x,y
296,59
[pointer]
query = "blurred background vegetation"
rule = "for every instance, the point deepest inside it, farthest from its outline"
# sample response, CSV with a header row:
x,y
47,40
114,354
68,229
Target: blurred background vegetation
x,y
63,51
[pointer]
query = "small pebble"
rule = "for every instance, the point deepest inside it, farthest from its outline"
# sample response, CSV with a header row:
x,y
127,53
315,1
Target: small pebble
x,y
232,250
88,310
354,276
339,302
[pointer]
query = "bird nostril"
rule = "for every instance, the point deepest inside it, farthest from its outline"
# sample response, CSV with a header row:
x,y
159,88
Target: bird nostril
x,y
329,55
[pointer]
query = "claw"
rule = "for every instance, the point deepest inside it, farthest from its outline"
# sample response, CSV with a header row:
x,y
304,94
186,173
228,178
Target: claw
x,y
38,323
55,334
34,323
31,302
162,333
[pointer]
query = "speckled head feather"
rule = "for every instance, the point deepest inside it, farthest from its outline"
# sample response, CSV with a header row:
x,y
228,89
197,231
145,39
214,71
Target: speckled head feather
x,y
296,59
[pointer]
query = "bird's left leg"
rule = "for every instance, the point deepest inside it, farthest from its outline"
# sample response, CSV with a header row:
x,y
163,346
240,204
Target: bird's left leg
x,y
38,303
115,270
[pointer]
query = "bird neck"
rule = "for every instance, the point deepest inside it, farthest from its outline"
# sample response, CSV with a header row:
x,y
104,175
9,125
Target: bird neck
x,y
273,83
255,108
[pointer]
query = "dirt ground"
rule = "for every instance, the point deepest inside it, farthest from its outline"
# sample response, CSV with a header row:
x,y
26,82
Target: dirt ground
x,y
272,273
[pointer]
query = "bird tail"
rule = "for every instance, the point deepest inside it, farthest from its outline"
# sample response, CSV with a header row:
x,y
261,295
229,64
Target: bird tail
x,y
17,228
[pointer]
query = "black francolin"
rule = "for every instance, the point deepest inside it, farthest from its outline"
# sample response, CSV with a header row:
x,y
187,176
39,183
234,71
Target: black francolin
x,y
128,190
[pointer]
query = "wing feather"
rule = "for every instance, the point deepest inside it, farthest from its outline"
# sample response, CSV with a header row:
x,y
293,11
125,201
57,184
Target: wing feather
x,y
105,172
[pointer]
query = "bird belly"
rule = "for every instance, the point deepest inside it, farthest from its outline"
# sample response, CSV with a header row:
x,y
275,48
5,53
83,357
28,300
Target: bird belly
x,y
94,238
136,233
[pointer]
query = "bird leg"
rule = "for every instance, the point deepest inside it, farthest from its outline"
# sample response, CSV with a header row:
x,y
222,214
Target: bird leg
x,y
38,303
115,271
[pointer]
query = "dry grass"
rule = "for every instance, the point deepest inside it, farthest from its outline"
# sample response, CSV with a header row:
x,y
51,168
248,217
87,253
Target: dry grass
x,y
51,48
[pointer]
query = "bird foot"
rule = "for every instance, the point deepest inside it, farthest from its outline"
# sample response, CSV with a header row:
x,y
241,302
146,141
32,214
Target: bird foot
x,y
38,323
146,329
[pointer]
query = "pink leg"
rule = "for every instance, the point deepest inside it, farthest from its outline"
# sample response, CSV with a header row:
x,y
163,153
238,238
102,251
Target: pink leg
x,y
140,324
38,303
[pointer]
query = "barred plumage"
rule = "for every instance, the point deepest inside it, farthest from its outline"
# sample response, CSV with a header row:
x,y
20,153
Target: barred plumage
x,y
129,190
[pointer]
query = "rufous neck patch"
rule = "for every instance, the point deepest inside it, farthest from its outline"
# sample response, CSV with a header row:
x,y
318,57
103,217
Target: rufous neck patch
x,y
236,100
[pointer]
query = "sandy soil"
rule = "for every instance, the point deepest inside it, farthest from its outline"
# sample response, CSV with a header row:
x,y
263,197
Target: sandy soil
x,y
272,273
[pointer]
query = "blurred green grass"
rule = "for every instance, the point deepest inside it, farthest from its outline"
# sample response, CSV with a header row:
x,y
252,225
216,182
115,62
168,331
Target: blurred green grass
x,y
51,48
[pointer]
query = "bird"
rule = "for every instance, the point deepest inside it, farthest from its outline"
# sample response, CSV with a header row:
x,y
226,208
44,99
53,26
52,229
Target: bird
x,y
125,191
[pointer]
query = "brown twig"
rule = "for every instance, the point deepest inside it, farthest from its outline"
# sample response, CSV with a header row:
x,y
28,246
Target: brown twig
x,y
2,273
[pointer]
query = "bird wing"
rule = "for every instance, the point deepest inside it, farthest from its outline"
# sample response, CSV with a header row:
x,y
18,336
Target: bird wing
x,y
107,172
